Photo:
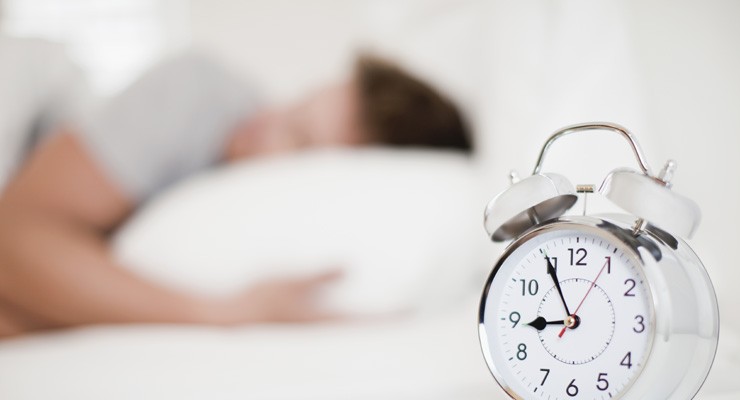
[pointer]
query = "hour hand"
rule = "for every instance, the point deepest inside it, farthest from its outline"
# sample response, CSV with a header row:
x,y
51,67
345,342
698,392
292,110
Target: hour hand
x,y
540,323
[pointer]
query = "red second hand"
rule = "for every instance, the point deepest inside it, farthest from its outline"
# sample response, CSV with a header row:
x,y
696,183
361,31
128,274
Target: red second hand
x,y
562,332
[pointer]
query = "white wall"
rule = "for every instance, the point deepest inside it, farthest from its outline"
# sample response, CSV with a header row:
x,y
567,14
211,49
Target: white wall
x,y
113,42
285,46
289,46
691,63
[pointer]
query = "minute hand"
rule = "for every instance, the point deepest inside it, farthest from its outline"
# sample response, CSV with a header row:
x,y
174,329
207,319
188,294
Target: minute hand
x,y
554,275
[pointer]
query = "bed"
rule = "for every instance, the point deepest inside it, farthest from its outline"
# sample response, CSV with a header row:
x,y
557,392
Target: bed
x,y
405,225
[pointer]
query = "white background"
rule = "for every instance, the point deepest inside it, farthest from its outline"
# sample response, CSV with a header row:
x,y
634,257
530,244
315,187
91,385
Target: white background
x,y
666,69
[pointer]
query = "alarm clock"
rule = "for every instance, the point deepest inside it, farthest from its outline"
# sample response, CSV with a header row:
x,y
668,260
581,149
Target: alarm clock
x,y
613,306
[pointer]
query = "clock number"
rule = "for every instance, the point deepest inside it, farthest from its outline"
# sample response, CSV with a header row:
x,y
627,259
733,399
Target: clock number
x,y
627,360
608,265
572,389
514,317
603,383
640,324
547,373
577,253
532,287
631,283
554,262
521,354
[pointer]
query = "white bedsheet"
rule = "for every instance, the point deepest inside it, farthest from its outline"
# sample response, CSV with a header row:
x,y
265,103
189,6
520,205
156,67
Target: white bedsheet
x,y
424,357
433,357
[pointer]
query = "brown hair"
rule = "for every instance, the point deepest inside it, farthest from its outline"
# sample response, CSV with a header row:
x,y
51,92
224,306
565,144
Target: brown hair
x,y
399,109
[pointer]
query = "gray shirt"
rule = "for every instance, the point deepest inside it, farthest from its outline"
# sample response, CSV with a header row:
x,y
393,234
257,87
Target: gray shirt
x,y
41,89
173,121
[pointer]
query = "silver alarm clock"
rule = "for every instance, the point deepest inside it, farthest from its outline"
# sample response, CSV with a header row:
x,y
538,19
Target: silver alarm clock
x,y
597,307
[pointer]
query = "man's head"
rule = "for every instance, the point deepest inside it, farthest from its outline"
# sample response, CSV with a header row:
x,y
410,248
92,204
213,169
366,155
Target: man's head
x,y
380,105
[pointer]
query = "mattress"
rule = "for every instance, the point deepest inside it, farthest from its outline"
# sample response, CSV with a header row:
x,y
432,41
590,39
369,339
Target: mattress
x,y
432,356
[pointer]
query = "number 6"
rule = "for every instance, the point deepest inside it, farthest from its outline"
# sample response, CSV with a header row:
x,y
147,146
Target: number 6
x,y
572,389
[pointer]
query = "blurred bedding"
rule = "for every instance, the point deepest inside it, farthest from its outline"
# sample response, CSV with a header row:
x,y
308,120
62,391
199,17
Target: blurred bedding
x,y
430,358
403,225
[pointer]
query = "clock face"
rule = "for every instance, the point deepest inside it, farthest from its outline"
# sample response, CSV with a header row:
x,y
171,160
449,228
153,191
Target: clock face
x,y
568,314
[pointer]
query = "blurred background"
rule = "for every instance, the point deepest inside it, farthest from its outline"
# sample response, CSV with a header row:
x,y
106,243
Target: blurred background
x,y
667,70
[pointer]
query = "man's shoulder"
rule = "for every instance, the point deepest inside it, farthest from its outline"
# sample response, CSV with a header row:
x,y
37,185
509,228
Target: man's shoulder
x,y
194,65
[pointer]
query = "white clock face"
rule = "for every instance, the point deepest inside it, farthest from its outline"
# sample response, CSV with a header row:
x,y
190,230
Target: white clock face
x,y
588,343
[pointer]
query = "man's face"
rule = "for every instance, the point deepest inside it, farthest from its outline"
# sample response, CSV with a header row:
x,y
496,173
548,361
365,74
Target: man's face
x,y
326,118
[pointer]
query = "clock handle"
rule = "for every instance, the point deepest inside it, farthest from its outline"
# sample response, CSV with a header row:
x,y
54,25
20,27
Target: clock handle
x,y
587,126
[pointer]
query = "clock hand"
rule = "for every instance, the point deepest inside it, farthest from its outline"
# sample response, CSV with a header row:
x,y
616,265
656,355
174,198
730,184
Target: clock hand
x,y
540,323
554,275
574,317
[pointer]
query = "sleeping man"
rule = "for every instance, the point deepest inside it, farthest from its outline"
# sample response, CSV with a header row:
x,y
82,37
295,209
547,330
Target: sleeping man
x,y
78,184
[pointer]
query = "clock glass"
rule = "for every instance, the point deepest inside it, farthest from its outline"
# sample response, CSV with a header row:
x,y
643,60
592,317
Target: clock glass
x,y
567,313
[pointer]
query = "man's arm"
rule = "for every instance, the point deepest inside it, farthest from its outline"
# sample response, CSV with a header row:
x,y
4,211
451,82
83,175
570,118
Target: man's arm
x,y
55,264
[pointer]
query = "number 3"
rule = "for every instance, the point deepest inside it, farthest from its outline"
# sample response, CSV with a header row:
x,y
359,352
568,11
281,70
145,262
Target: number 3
x,y
640,324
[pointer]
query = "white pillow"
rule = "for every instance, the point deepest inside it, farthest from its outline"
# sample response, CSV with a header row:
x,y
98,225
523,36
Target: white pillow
x,y
404,225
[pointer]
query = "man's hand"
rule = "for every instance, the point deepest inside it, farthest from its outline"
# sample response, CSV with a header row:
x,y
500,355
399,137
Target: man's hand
x,y
277,300
56,268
